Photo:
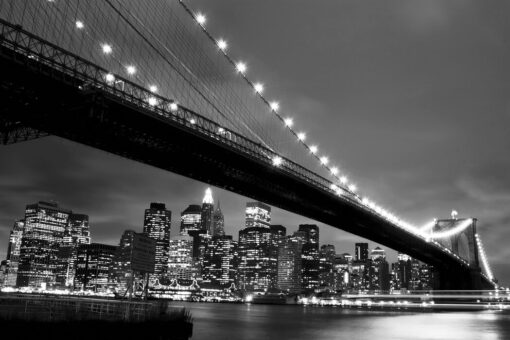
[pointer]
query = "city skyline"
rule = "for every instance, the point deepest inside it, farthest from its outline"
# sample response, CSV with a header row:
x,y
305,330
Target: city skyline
x,y
230,229
55,251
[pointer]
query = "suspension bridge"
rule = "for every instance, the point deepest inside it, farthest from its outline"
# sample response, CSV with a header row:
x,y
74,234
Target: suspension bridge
x,y
148,81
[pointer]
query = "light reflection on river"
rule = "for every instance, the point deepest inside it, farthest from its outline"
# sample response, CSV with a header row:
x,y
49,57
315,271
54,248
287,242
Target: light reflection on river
x,y
261,322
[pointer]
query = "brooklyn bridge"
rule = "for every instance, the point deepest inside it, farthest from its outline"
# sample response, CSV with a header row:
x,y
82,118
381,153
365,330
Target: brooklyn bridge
x,y
147,80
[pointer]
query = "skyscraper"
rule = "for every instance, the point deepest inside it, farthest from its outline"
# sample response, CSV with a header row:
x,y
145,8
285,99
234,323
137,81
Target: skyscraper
x,y
327,274
402,272
220,261
258,214
277,238
77,232
361,251
218,222
207,212
93,265
180,265
289,264
379,270
311,232
14,246
13,252
255,267
310,256
191,219
45,225
156,225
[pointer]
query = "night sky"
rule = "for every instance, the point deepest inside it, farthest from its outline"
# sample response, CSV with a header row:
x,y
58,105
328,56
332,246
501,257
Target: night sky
x,y
410,97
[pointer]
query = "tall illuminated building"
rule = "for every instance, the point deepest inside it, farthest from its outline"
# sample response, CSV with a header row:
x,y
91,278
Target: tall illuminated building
x,y
218,222
255,271
180,264
45,226
278,233
361,251
156,225
402,272
379,270
219,266
310,261
289,265
93,265
257,214
13,252
191,219
207,212
77,232
327,274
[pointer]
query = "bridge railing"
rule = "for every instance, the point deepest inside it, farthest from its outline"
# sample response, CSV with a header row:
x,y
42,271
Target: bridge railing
x,y
79,72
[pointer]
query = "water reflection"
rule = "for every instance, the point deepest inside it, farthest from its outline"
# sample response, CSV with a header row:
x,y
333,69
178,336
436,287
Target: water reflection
x,y
238,321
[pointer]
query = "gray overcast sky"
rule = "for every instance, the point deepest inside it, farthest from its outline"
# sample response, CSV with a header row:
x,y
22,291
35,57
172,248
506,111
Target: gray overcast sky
x,y
410,97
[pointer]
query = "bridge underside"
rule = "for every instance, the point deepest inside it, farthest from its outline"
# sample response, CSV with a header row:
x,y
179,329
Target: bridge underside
x,y
37,98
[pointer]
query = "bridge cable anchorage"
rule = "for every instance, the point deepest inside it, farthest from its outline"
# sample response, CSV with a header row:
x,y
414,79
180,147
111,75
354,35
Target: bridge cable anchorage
x,y
344,187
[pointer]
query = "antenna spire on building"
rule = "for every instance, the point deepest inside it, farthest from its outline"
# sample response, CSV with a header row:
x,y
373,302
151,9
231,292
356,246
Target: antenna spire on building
x,y
208,199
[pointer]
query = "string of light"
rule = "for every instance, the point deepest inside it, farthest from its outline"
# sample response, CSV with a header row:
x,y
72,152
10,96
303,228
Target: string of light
x,y
483,256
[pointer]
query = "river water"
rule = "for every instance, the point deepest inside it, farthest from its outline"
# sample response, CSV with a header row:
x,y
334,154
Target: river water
x,y
212,321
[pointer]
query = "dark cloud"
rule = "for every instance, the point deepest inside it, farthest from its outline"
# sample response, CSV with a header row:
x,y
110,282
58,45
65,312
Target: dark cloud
x,y
410,97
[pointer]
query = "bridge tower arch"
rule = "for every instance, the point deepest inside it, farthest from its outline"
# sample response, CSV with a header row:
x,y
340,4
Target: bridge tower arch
x,y
464,238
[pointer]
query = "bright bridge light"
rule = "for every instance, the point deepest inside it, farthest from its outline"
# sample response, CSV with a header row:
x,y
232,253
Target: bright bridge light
x,y
241,67
259,88
314,149
343,180
201,19
275,106
153,88
288,122
130,69
352,188
334,170
107,49
324,160
79,24
152,101
173,107
277,161
110,78
222,44
301,136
